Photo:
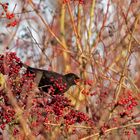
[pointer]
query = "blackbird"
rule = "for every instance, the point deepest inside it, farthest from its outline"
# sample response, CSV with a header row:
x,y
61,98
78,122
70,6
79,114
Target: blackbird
x,y
53,82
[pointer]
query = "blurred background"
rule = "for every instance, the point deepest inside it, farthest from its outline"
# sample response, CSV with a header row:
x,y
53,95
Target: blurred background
x,y
96,39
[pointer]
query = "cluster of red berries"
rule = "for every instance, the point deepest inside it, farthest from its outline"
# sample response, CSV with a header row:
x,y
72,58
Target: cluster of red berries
x,y
58,83
43,105
77,117
60,108
9,16
4,6
10,65
128,103
103,129
7,115
129,132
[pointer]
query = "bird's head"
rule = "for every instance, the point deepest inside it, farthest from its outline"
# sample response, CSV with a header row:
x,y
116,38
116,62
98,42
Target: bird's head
x,y
71,78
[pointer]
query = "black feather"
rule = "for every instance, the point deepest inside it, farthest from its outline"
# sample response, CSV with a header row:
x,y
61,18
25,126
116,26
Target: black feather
x,y
53,82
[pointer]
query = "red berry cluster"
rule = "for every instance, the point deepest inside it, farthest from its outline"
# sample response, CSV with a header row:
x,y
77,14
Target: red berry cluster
x,y
129,132
59,103
1,64
103,129
61,109
128,103
10,65
7,115
58,83
77,117
5,7
44,107
134,131
9,16
15,131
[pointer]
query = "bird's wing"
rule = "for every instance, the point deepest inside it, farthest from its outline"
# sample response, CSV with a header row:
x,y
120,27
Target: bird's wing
x,y
47,79
50,79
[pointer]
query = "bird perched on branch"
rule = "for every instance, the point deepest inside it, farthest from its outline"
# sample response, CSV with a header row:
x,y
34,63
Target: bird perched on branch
x,y
53,82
